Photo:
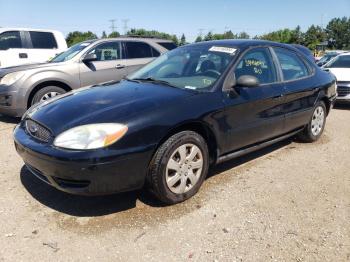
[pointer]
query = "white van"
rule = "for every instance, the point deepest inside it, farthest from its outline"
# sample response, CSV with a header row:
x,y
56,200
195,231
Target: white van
x,y
25,46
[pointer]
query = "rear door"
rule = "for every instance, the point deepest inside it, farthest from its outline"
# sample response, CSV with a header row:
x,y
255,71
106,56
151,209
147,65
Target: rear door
x,y
109,66
138,54
301,88
41,46
255,114
12,51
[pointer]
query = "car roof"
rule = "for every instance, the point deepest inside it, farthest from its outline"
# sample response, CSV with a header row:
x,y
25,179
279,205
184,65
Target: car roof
x,y
242,43
4,29
144,39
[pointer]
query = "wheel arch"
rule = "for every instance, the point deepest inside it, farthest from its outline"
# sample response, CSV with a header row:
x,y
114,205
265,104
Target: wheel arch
x,y
39,86
201,128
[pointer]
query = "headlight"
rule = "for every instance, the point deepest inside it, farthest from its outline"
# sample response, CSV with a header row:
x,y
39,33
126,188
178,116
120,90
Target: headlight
x,y
91,136
11,78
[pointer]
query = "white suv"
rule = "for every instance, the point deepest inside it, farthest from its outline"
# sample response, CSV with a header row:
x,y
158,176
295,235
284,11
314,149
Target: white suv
x,y
340,67
24,46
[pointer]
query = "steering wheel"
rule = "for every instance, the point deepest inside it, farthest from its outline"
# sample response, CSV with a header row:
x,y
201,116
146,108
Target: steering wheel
x,y
212,73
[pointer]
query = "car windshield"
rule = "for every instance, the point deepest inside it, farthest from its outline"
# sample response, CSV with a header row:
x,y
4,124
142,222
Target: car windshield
x,y
341,61
190,67
71,52
326,58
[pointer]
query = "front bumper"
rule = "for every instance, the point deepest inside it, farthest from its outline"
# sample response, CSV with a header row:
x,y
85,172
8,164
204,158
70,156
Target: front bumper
x,y
343,89
93,172
10,104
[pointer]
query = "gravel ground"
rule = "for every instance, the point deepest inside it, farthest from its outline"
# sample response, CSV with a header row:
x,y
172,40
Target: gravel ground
x,y
288,202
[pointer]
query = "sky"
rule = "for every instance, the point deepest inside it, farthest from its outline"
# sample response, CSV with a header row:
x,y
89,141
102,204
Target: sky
x,y
256,17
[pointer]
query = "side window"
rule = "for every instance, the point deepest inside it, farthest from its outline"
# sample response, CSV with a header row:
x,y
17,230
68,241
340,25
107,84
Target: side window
x,y
43,40
107,51
138,50
292,66
10,39
258,63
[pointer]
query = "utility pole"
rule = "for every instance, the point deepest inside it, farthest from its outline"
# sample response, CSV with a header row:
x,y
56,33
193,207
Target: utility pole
x,y
125,27
113,26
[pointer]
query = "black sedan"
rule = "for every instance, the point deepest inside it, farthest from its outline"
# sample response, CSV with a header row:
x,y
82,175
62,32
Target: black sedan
x,y
163,126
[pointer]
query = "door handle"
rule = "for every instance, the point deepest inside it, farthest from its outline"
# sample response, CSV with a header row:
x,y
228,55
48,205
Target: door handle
x,y
23,55
278,96
119,66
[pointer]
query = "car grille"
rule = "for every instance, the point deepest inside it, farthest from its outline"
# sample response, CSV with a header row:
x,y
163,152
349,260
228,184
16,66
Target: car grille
x,y
38,131
343,88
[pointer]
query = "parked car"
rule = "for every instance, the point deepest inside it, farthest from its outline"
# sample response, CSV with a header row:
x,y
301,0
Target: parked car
x,y
328,57
84,64
306,51
25,45
164,124
340,68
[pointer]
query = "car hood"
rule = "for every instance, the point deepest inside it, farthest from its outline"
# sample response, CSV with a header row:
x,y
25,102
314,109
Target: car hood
x,y
12,69
104,104
341,74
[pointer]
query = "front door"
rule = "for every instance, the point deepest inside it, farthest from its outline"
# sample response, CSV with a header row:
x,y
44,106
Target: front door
x,y
255,114
109,65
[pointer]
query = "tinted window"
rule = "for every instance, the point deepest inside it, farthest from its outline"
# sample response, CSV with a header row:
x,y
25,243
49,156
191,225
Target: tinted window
x,y
107,51
342,61
139,50
292,66
167,45
11,39
258,63
43,40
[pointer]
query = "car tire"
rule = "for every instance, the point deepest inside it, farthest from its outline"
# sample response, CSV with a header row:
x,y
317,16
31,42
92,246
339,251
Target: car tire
x,y
46,93
179,167
314,129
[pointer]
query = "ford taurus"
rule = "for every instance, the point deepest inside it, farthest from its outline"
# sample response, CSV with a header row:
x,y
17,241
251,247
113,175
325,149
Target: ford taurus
x,y
165,124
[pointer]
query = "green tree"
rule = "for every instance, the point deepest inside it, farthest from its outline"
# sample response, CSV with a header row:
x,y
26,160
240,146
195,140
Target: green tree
x,y
199,39
209,36
314,36
338,31
183,40
114,34
76,37
243,35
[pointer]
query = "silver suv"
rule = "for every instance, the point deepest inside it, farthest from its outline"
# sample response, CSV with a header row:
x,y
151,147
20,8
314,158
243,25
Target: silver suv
x,y
84,64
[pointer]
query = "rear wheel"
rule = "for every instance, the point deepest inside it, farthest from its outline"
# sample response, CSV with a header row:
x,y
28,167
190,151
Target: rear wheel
x,y
179,167
47,93
315,127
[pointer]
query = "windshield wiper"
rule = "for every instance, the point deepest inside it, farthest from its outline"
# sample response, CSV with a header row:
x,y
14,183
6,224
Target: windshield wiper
x,y
153,80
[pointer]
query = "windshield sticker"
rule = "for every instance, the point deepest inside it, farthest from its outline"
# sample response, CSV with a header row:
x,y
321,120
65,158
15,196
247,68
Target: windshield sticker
x,y
222,49
191,87
207,81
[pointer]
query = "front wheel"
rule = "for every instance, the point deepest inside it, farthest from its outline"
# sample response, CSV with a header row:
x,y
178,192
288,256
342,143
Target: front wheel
x,y
315,127
47,93
179,167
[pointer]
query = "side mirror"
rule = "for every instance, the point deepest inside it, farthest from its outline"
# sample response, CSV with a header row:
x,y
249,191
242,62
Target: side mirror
x,y
247,81
89,58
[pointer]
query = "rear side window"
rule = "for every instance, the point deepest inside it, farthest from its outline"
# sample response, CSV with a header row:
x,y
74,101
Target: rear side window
x,y
292,66
167,45
10,39
43,40
257,62
140,50
342,61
